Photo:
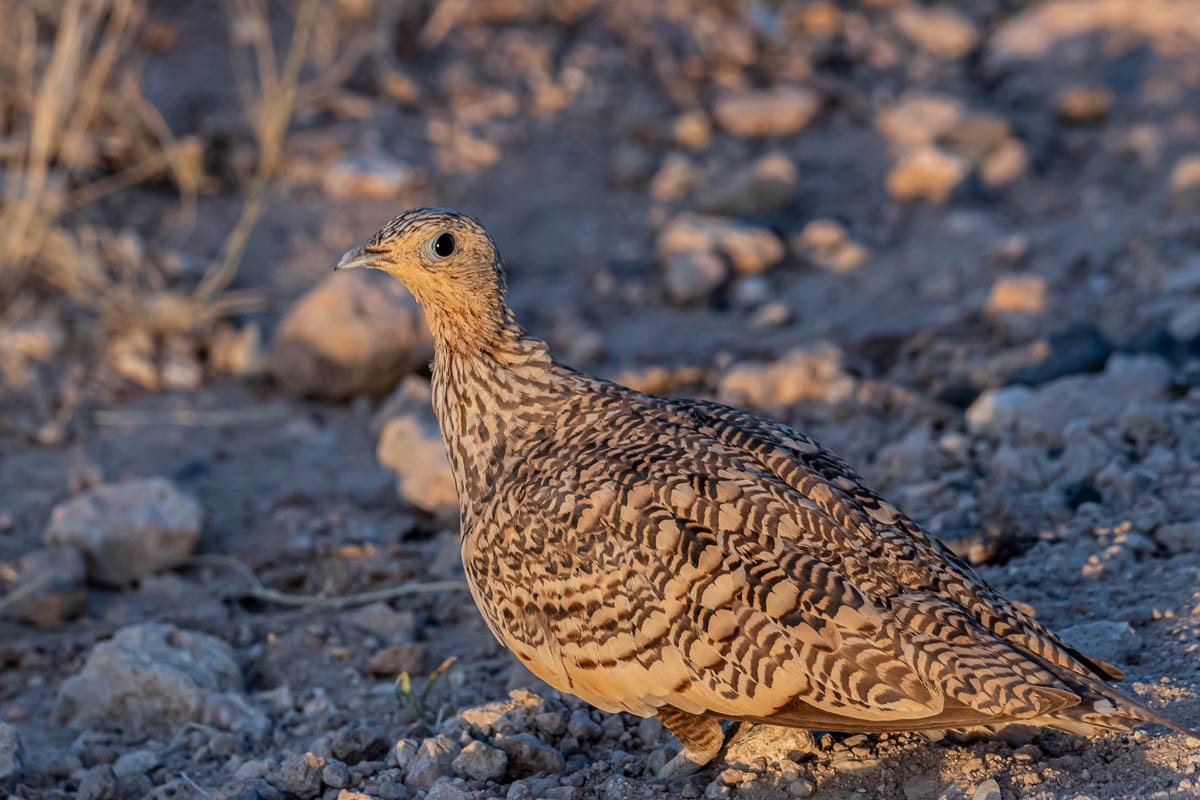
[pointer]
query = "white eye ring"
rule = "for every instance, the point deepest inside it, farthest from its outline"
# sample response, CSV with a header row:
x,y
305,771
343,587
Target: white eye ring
x,y
442,246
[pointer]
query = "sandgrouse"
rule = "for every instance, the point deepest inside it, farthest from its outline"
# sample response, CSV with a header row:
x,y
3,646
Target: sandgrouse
x,y
694,561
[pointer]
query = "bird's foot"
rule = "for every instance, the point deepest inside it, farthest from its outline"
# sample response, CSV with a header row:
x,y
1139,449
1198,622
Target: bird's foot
x,y
688,762
702,739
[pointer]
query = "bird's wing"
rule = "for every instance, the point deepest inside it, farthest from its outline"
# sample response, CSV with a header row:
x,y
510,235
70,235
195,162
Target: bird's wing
x,y
670,567
822,476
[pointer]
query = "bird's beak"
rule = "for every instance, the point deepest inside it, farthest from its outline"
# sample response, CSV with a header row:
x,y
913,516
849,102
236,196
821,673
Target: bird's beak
x,y
358,257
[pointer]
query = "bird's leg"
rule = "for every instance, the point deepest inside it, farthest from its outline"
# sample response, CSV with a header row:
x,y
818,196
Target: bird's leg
x,y
702,738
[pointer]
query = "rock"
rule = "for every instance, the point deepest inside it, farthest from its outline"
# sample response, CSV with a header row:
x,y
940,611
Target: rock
x,y
446,789
996,411
988,790
766,184
1083,105
677,176
335,774
692,277
356,332
300,775
1183,186
920,787
1100,399
369,175
1179,537
98,783
247,789
411,446
805,373
825,244
434,759
128,530
231,711
1045,28
1185,279
582,727
777,111
479,762
10,757
940,31
148,677
926,173
380,619
692,129
1077,348
1107,640
528,755
135,762
359,741
978,135
632,166
919,119
1017,294
1006,164
397,658
750,249
45,587
1184,323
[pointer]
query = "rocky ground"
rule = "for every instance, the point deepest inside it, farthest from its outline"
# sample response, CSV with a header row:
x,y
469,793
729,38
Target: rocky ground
x,y
959,244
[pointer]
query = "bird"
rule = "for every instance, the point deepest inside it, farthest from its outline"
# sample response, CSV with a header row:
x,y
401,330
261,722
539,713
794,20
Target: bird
x,y
692,561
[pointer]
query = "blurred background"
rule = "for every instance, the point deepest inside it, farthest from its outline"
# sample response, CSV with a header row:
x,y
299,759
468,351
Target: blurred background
x,y
959,243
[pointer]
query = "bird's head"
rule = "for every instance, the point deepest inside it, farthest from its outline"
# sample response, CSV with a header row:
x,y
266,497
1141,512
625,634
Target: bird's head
x,y
450,264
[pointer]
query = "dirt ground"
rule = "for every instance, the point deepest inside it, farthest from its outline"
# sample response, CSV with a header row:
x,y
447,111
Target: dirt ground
x,y
978,281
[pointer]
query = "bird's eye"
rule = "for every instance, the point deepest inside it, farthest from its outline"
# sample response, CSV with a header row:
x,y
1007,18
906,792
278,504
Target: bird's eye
x,y
443,245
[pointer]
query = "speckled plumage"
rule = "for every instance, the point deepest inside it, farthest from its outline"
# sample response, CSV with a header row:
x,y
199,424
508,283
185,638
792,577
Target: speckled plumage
x,y
687,559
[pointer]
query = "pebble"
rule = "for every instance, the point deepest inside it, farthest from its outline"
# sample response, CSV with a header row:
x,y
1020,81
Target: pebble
x,y
988,790
446,789
380,619
1183,185
920,787
129,530
826,244
582,726
359,741
814,372
1108,640
919,119
691,277
300,775
372,175
335,774
677,176
768,183
528,755
356,332
46,586
749,248
397,658
939,30
434,758
692,129
1179,537
1006,164
10,757
1083,105
778,111
1017,294
1077,348
926,173
148,677
411,446
481,762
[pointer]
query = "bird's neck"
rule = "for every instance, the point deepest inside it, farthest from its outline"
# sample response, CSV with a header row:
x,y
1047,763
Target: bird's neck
x,y
489,399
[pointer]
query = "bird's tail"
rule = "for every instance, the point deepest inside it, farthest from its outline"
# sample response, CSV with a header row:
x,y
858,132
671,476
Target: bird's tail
x,y
1101,707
